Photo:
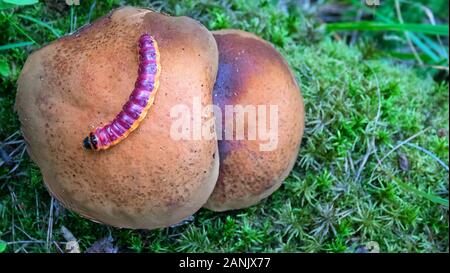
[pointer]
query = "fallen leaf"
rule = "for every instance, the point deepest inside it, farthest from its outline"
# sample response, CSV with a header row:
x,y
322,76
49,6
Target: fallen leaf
x,y
72,245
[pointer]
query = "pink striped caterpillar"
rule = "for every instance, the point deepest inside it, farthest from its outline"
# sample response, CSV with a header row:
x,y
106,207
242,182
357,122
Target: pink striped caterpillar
x,y
140,100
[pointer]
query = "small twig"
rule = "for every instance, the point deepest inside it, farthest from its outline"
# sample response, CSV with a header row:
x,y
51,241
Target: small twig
x,y
26,234
8,158
404,142
438,67
346,166
355,33
350,160
12,170
58,247
26,242
430,154
11,154
50,225
21,248
364,160
12,135
12,142
11,159
408,39
23,151
14,200
371,144
4,156
36,197
12,221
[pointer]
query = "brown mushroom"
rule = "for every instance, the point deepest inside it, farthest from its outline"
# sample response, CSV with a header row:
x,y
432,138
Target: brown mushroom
x,y
252,72
79,82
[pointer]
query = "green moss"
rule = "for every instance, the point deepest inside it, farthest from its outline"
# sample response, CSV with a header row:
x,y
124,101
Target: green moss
x,y
329,202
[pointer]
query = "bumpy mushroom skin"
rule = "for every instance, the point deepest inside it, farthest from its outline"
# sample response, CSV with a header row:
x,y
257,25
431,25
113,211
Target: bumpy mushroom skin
x,y
252,72
71,86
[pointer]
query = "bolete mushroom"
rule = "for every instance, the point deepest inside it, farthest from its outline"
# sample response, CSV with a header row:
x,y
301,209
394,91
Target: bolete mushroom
x,y
81,81
252,73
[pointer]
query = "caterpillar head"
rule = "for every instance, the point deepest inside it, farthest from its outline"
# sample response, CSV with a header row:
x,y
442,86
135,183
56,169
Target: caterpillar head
x,y
90,142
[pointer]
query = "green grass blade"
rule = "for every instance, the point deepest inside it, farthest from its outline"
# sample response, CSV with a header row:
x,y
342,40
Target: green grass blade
x,y
21,2
431,197
23,31
406,56
72,12
430,42
41,23
2,246
15,45
425,48
4,5
10,4
4,68
91,10
377,26
435,46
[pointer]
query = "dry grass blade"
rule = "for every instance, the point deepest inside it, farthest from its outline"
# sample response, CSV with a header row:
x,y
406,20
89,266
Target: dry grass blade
x,y
50,225
371,145
408,39
395,149
442,163
12,150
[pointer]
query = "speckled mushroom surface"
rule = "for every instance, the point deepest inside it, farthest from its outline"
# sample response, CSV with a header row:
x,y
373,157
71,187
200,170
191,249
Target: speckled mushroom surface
x,y
252,72
78,82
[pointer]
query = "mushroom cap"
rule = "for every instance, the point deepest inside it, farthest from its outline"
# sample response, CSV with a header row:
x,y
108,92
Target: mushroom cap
x,y
81,81
252,72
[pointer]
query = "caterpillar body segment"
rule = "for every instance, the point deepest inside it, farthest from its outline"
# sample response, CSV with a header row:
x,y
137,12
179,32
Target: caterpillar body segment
x,y
138,104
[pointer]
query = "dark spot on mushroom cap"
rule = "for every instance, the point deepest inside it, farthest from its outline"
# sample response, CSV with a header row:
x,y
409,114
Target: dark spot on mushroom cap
x,y
252,72
240,57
